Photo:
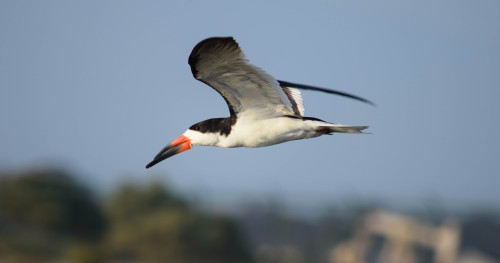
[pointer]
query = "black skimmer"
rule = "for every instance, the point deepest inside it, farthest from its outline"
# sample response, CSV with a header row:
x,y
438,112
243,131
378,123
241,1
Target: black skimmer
x,y
263,111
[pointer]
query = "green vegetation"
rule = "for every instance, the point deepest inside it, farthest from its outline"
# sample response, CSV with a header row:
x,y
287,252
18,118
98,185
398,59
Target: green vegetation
x,y
151,224
46,215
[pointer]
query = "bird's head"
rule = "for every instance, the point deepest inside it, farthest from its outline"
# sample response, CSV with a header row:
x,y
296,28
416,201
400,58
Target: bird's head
x,y
195,135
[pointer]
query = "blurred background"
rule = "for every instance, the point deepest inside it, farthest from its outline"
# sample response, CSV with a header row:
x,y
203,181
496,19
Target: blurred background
x,y
90,91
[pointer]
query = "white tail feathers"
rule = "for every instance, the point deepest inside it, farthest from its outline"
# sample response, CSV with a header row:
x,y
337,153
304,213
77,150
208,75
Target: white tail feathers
x,y
345,129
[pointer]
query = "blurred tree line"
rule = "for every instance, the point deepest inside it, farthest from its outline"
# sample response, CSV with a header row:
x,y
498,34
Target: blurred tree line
x,y
46,215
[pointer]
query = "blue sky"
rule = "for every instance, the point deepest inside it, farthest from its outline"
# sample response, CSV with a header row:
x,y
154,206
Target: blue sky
x,y
100,87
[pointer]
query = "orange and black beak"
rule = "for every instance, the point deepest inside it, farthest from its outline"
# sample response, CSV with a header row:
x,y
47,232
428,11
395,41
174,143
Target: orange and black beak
x,y
182,143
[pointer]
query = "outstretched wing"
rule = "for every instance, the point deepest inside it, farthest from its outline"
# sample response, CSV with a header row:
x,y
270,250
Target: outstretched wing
x,y
220,63
284,84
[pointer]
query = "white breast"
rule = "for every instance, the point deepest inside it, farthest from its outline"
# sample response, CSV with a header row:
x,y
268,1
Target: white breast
x,y
264,132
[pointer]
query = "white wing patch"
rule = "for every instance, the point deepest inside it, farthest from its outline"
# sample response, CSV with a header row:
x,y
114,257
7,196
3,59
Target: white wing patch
x,y
295,98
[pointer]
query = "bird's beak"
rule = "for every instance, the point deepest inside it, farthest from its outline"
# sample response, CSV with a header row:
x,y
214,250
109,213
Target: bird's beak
x,y
182,143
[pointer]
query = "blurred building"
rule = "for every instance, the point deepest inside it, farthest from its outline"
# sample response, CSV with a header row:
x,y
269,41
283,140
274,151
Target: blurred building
x,y
383,237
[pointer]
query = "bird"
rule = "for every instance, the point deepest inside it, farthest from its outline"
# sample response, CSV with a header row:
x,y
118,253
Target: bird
x,y
263,111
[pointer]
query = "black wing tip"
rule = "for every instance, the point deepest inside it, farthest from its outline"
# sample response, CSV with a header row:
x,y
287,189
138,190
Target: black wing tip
x,y
336,92
362,100
208,44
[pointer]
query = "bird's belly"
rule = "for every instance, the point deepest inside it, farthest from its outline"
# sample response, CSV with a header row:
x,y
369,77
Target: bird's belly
x,y
267,132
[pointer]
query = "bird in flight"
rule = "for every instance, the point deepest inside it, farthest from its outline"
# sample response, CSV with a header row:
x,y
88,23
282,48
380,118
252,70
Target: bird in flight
x,y
263,111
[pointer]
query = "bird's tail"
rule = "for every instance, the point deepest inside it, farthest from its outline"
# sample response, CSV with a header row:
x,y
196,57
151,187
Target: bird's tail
x,y
343,128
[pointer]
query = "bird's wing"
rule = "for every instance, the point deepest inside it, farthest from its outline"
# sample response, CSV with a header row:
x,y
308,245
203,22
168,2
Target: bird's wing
x,y
220,63
295,98
286,84
292,90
